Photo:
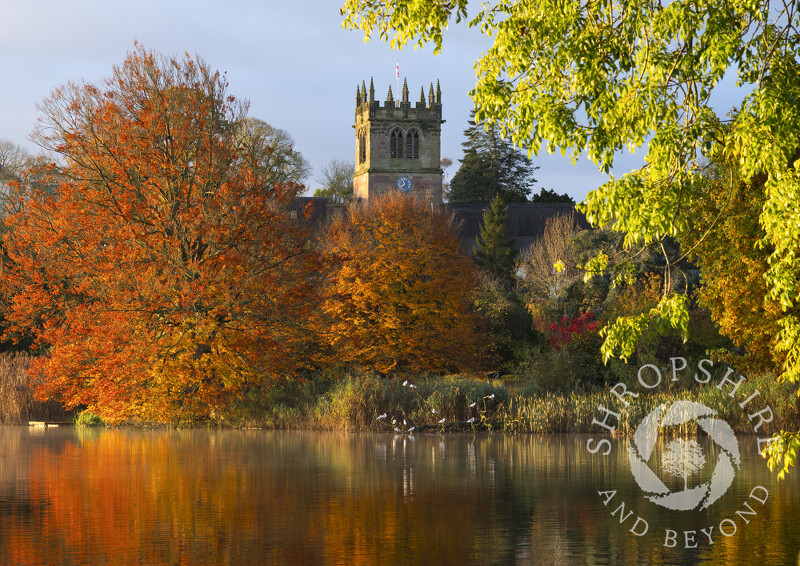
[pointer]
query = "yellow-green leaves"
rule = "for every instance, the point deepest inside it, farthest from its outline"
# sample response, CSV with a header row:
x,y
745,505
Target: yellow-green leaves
x,y
403,21
596,265
596,78
781,454
622,336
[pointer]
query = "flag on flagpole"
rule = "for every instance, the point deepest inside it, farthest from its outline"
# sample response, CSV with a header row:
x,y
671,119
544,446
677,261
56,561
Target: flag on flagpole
x,y
397,71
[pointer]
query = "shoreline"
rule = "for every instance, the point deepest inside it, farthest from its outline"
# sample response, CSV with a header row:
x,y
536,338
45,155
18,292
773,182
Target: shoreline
x,y
450,403
466,404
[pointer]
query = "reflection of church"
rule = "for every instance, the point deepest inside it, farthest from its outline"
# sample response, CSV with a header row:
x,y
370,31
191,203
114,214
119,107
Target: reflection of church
x,y
398,147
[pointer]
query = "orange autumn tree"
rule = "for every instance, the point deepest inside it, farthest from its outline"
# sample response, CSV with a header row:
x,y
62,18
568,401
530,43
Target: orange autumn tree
x,y
159,264
399,295
733,264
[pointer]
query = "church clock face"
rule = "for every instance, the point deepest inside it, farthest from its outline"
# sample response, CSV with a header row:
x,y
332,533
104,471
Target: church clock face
x,y
404,184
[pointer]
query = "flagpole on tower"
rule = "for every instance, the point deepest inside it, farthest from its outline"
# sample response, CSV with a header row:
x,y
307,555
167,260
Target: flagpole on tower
x,y
397,76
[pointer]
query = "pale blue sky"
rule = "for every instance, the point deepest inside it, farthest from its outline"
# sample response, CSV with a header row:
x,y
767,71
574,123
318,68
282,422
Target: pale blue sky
x,y
291,59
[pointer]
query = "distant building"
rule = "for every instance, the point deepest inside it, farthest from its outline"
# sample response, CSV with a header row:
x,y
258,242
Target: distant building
x,y
526,221
398,147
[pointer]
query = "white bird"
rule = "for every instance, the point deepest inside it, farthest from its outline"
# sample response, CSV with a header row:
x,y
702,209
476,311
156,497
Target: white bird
x,y
412,386
405,383
383,416
396,429
442,421
472,420
491,396
394,421
404,422
434,411
472,405
412,429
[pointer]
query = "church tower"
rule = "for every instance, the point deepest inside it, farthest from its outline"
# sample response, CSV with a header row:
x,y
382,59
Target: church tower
x,y
398,147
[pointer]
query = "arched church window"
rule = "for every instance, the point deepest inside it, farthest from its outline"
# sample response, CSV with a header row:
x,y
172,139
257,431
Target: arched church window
x,y
396,144
362,148
412,145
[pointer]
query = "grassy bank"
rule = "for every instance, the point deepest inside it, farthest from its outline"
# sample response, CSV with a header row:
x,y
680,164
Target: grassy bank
x,y
439,404
356,403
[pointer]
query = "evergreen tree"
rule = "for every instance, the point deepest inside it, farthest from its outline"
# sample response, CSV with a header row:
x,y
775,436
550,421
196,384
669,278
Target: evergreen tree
x,y
494,251
491,166
550,196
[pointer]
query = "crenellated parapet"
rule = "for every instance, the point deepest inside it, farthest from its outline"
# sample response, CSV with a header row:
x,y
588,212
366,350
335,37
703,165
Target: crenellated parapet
x,y
426,108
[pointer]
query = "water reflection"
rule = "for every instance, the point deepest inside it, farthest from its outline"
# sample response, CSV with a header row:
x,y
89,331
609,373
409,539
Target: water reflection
x,y
255,497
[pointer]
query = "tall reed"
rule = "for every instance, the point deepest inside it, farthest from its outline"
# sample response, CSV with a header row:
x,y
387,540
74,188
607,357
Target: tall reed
x,y
462,402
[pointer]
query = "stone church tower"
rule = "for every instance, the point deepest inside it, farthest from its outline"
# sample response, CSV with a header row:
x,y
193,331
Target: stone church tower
x,y
398,147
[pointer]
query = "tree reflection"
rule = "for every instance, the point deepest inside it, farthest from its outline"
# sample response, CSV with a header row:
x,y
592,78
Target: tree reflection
x,y
255,497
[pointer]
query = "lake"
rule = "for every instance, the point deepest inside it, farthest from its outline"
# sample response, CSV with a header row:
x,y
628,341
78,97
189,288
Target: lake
x,y
96,496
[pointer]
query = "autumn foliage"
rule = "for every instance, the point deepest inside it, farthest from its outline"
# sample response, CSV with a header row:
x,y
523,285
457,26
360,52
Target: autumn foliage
x,y
734,263
569,329
158,262
400,290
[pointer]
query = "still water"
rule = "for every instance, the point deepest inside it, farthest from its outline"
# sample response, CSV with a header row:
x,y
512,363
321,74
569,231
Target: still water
x,y
123,497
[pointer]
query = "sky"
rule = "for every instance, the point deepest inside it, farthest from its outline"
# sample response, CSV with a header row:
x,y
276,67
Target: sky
x,y
290,59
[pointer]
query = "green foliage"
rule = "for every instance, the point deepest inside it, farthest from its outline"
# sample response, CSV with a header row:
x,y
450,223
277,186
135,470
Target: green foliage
x,y
419,22
626,289
494,251
622,335
337,179
595,78
510,325
89,419
782,452
491,167
550,196
575,368
282,164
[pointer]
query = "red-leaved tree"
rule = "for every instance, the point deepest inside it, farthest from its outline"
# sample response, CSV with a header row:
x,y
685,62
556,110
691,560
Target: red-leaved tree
x,y
157,259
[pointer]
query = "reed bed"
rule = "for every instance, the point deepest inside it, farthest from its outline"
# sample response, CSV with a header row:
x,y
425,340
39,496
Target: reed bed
x,y
552,413
17,402
356,404
464,402
449,403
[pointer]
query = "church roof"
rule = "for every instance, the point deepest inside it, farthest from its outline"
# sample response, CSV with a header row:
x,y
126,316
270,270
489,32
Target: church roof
x,y
526,221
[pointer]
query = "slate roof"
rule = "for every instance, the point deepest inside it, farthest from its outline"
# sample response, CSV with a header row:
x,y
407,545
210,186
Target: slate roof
x,y
526,221
318,209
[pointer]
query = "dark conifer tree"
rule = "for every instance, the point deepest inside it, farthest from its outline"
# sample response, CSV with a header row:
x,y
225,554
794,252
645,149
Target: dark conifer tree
x,y
550,196
491,166
494,250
